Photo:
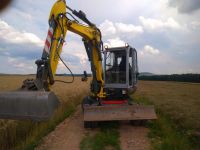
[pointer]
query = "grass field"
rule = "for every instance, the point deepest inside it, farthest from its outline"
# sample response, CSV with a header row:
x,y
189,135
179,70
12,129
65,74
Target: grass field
x,y
179,100
179,107
27,134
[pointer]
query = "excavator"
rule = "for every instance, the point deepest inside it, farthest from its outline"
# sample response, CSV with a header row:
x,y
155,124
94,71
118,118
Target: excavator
x,y
114,76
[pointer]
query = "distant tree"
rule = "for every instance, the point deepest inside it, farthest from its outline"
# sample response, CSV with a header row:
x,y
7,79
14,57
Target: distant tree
x,y
174,77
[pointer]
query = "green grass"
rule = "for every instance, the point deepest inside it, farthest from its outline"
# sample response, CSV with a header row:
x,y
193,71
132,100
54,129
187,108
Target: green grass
x,y
141,100
107,137
164,133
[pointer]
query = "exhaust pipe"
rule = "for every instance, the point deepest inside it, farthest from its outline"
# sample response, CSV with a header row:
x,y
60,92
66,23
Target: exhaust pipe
x,y
27,105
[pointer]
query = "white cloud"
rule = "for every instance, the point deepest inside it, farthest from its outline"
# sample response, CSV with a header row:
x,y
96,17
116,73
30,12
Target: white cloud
x,y
75,48
116,42
12,35
157,24
195,25
110,29
74,54
17,63
128,28
83,58
149,50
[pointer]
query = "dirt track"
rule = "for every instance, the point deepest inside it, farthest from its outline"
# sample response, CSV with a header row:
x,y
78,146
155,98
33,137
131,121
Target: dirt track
x,y
70,132
133,137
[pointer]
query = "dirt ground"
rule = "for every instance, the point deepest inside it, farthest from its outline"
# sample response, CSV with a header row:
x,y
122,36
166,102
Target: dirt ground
x,y
133,137
70,132
67,134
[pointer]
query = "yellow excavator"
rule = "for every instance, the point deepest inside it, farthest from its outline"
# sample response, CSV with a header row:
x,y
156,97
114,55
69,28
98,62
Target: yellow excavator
x,y
111,85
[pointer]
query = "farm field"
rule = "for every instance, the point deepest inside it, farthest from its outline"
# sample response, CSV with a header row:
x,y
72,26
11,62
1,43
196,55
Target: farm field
x,y
179,101
178,106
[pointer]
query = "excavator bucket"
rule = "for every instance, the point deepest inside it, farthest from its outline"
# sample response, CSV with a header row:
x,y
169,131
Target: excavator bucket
x,y
26,105
119,112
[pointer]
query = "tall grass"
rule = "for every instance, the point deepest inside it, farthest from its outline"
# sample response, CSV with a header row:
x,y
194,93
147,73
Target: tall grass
x,y
28,134
19,135
178,102
164,133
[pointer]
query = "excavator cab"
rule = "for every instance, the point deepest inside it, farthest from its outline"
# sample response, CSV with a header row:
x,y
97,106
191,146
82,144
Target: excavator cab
x,y
121,69
121,77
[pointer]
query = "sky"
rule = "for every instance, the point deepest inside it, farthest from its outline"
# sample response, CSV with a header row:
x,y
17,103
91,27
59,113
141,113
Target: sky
x,y
166,34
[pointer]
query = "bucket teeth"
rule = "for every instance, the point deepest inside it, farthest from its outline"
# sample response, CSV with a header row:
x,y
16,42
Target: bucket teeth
x,y
119,112
22,105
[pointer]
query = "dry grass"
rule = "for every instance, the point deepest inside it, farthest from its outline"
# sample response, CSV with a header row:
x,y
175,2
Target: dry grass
x,y
26,134
181,101
178,109
63,91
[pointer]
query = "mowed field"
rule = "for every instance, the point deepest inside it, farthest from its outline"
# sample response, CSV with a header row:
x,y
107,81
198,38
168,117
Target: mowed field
x,y
181,101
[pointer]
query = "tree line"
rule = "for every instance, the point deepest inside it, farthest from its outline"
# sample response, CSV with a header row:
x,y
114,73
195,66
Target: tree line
x,y
195,78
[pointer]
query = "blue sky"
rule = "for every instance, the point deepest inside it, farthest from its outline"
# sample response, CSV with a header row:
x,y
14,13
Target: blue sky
x,y
166,34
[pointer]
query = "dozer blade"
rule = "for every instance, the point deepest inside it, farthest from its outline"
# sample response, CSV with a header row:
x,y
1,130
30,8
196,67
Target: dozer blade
x,y
22,105
119,112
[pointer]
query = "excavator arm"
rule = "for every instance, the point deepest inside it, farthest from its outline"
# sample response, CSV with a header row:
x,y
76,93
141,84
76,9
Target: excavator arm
x,y
59,25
